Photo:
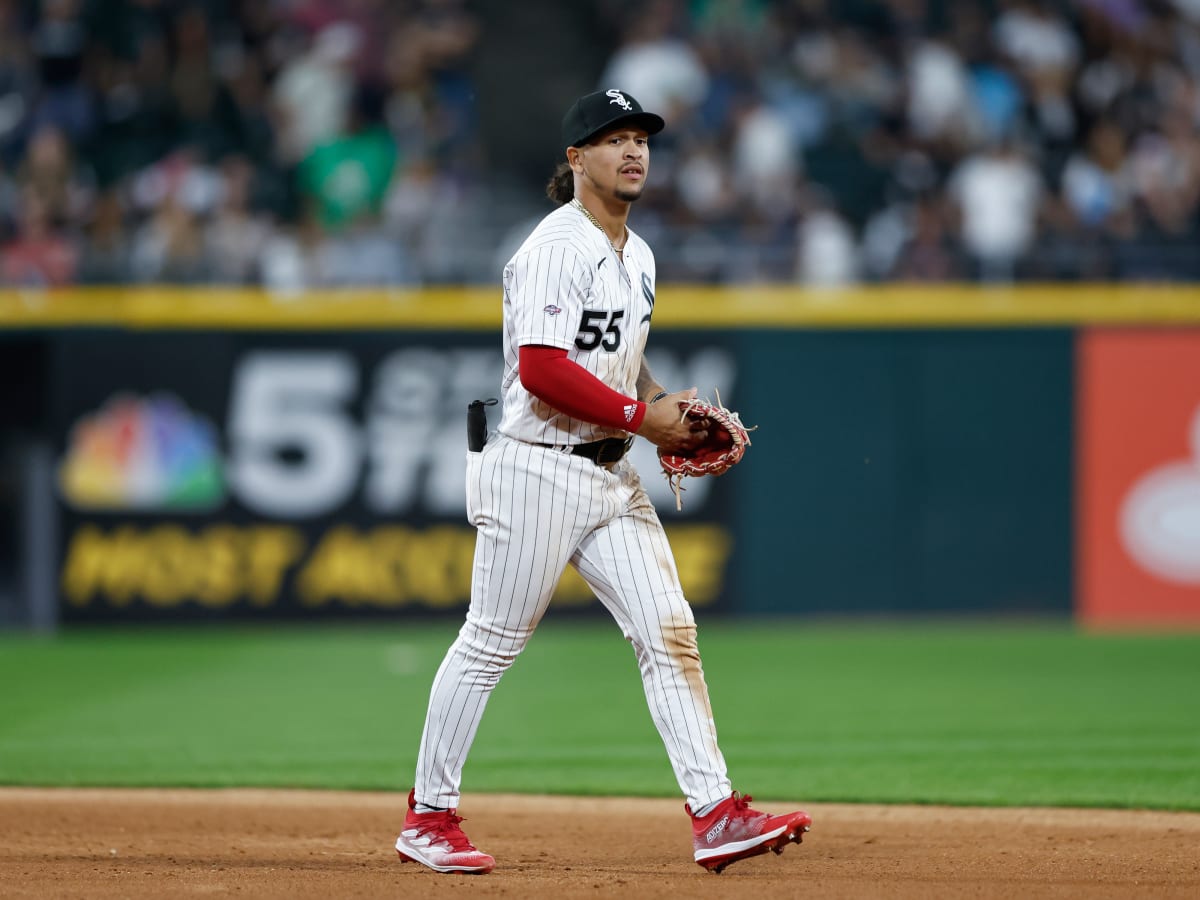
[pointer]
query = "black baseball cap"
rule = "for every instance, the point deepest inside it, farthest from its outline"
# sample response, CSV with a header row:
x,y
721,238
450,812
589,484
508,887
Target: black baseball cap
x,y
599,111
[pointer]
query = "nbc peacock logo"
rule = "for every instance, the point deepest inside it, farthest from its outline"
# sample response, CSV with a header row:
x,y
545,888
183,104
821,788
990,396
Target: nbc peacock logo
x,y
143,453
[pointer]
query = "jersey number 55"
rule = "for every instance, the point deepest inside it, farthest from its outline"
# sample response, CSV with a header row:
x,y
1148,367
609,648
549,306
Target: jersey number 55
x,y
600,328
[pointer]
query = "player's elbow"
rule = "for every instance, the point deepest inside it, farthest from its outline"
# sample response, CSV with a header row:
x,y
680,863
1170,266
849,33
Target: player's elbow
x,y
535,368
538,384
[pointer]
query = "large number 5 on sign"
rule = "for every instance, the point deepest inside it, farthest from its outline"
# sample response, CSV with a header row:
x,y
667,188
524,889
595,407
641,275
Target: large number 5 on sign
x,y
294,452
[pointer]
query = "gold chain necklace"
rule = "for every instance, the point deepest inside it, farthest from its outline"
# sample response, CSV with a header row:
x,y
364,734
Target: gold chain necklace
x,y
587,212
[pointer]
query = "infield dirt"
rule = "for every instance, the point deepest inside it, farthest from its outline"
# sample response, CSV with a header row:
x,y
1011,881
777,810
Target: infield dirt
x,y
294,844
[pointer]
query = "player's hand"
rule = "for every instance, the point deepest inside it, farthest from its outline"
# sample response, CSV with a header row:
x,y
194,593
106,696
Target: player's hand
x,y
665,425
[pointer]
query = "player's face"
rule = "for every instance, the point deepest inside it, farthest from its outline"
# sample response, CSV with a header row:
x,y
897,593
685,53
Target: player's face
x,y
617,162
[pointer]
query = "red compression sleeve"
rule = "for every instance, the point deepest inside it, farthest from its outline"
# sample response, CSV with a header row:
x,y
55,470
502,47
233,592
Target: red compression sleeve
x,y
568,387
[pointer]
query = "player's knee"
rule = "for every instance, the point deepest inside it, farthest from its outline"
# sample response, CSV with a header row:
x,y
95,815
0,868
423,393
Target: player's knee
x,y
679,641
498,644
672,634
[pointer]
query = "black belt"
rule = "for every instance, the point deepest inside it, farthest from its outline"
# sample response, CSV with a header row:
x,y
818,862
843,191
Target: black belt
x,y
603,452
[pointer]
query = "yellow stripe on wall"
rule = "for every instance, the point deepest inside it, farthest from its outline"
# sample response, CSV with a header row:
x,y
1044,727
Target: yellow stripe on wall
x,y
679,306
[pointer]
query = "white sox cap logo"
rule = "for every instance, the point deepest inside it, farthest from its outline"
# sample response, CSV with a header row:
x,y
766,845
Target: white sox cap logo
x,y
593,113
618,98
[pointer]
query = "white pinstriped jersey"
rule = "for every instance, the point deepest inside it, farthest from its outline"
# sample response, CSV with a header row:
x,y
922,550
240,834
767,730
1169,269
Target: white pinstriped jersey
x,y
538,510
567,288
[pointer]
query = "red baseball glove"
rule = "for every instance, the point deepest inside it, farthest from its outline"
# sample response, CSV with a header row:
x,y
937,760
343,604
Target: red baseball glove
x,y
723,449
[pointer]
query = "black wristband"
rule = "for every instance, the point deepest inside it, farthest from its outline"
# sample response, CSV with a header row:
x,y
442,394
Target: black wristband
x,y
657,397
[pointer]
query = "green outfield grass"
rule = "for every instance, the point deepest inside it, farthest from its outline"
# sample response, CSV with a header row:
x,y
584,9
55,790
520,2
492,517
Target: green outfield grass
x,y
965,714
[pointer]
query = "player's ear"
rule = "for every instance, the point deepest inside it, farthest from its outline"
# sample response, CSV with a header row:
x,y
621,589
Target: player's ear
x,y
575,158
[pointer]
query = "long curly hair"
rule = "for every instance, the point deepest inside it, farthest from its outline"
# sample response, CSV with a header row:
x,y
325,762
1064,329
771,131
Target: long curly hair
x,y
561,186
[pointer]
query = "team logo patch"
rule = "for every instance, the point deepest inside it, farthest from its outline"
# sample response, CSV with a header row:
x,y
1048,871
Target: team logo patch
x,y
648,293
552,310
619,99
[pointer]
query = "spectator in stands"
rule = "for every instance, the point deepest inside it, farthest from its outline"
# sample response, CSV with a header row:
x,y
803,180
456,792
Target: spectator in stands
x,y
235,235
39,255
169,245
997,192
344,178
928,255
59,44
105,247
49,170
1096,183
828,251
18,79
314,92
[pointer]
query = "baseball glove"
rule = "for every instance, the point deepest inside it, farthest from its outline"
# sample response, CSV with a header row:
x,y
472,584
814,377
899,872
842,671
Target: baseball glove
x,y
723,449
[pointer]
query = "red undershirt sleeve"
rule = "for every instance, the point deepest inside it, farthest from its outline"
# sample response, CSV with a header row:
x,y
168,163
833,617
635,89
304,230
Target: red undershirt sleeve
x,y
571,389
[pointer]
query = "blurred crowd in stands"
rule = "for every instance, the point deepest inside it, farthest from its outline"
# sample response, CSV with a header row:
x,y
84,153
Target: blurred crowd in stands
x,y
301,143
286,143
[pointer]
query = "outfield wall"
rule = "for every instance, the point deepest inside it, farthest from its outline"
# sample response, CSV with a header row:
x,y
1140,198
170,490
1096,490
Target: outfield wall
x,y
232,454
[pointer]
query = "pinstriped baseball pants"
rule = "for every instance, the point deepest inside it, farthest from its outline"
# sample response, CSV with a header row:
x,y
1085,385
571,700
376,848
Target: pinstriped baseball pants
x,y
536,510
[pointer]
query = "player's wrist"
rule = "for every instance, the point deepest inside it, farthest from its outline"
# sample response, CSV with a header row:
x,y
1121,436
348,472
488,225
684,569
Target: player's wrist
x,y
639,416
657,397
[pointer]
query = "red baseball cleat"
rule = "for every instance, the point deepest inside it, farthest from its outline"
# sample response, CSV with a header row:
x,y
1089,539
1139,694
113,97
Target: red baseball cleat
x,y
734,831
435,840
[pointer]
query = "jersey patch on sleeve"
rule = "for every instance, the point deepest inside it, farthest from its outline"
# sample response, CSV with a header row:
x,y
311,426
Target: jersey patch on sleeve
x,y
552,310
648,293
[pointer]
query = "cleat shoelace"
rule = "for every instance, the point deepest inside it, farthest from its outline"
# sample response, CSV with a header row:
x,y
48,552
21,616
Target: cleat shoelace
x,y
741,807
447,830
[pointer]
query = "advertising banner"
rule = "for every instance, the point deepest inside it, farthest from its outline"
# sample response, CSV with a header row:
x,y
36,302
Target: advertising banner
x,y
243,474
1138,506
924,472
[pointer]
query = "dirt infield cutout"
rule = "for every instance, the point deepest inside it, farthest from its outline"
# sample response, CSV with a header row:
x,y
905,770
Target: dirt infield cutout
x,y
294,844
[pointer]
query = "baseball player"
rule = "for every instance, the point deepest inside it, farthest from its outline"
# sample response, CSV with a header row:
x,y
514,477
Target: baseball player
x,y
553,487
